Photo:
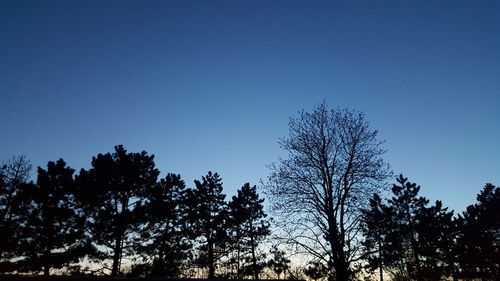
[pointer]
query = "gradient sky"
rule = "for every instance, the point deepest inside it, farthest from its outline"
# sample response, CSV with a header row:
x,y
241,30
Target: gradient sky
x,y
210,85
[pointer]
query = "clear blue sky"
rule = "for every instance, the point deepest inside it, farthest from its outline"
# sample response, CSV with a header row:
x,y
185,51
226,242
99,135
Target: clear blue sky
x,y
209,85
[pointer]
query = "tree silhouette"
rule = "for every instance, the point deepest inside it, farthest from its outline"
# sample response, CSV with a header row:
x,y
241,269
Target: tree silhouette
x,y
316,270
112,193
248,227
54,227
166,234
479,238
333,167
208,212
278,263
14,175
380,232
415,239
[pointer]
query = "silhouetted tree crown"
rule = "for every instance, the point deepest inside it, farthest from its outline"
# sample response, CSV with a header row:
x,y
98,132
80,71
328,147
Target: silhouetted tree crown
x,y
208,212
14,207
407,237
54,227
165,236
479,237
334,164
118,210
113,191
248,227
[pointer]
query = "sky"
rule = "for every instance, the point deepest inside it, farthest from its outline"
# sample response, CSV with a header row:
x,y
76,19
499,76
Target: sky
x,y
210,85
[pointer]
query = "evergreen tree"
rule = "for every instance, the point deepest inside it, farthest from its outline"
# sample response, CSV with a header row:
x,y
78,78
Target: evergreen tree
x,y
479,238
248,228
112,193
208,212
53,228
406,204
165,236
379,225
435,238
418,241
278,263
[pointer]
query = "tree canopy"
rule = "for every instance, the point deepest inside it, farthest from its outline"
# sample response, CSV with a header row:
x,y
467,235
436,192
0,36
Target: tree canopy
x,y
332,217
334,164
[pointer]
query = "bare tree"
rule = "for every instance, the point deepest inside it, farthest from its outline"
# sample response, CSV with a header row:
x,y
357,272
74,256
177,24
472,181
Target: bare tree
x,y
16,170
14,174
334,164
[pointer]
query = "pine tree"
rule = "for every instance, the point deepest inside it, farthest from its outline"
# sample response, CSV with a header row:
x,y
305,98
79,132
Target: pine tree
x,y
208,212
278,263
435,232
418,239
379,225
248,228
53,228
166,235
406,204
112,193
479,239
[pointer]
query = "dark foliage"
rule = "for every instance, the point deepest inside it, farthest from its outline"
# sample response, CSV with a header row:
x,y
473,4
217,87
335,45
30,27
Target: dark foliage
x,y
317,270
248,227
165,235
54,228
118,209
379,229
207,217
479,237
279,263
112,193
411,240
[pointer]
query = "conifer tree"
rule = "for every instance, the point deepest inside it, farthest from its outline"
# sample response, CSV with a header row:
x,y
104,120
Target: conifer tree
x,y
248,228
414,238
379,229
278,263
112,193
208,212
54,228
165,236
479,237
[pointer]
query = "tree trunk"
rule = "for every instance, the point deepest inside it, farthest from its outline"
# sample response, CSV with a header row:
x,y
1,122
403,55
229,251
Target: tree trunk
x,y
238,254
255,270
254,260
342,272
46,270
337,250
339,260
211,266
380,257
238,273
116,257
46,267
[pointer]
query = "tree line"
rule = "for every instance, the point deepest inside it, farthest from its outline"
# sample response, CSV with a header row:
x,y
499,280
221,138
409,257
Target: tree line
x,y
120,209
326,198
414,240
